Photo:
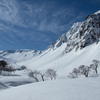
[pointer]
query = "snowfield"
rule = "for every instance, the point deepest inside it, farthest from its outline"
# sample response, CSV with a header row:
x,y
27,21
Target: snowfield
x,y
62,89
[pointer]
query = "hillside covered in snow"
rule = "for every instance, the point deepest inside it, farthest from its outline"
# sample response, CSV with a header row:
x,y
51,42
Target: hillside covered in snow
x,y
81,41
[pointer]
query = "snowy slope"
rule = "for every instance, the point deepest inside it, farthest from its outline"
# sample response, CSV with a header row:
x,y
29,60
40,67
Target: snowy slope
x,y
62,62
65,89
15,56
2,86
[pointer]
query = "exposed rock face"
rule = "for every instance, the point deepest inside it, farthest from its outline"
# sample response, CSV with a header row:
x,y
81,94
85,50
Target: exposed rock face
x,y
81,34
87,33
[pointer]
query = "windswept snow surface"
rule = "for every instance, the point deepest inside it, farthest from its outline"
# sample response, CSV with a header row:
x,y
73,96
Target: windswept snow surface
x,y
63,89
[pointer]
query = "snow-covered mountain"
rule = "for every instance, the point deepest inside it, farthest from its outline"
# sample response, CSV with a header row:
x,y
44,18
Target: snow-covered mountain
x,y
15,56
81,34
64,54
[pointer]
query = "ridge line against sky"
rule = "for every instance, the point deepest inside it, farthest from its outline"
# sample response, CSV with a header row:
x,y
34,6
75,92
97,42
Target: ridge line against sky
x,y
34,24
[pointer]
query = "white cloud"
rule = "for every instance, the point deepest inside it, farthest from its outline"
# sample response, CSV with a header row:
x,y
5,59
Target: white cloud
x,y
9,11
43,17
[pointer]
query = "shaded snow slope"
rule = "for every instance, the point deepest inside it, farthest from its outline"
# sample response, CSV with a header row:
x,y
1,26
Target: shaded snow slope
x,y
2,86
65,89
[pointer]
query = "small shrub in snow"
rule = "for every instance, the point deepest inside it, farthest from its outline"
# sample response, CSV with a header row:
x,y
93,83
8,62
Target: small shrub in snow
x,y
82,70
23,67
9,69
74,73
71,75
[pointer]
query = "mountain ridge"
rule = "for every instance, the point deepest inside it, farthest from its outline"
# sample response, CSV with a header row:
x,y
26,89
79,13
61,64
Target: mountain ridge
x,y
81,34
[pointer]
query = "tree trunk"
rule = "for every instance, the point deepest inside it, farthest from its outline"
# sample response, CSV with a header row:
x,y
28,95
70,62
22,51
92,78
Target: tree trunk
x,y
42,78
51,78
96,70
36,79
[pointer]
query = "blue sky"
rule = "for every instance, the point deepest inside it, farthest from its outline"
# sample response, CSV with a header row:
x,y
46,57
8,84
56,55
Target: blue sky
x,y
34,24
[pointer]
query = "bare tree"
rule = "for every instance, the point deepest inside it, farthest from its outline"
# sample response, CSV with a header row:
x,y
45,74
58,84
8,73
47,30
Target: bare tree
x,y
51,73
42,75
34,74
11,68
95,65
84,70
54,75
0,72
5,69
74,74
3,64
71,75
8,69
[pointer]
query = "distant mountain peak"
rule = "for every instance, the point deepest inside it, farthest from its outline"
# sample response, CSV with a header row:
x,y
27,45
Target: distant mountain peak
x,y
98,12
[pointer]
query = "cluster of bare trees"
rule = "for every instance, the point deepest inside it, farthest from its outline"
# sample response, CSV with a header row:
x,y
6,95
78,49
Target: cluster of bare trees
x,y
85,70
6,69
50,73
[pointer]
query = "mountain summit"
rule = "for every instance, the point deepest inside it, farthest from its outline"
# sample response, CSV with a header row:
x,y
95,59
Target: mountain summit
x,y
81,34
